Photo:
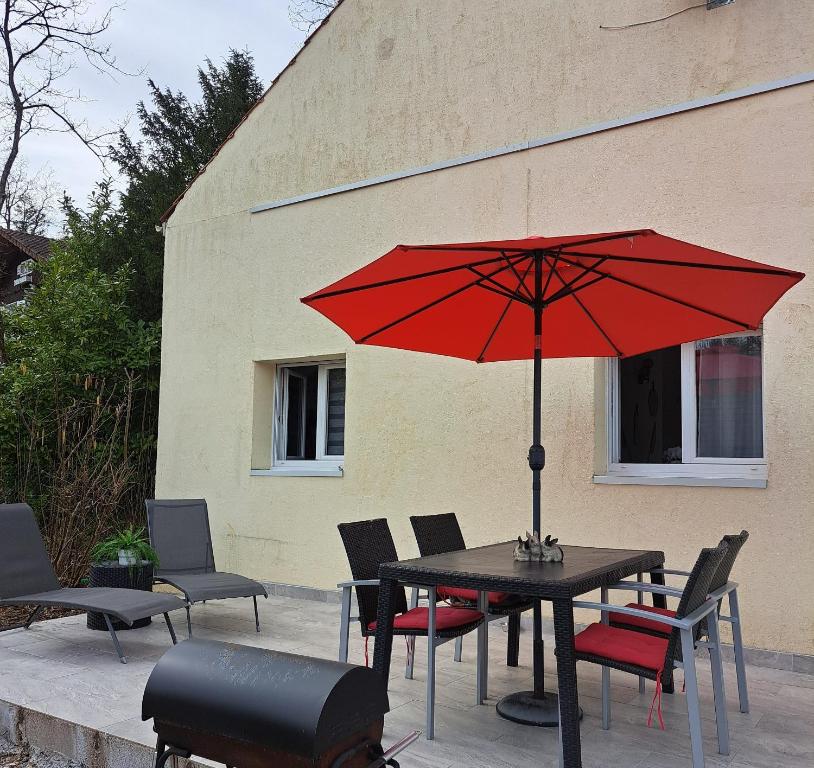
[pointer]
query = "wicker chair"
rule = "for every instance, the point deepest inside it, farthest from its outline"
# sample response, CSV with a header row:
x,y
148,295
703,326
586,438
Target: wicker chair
x,y
368,544
654,657
437,534
720,587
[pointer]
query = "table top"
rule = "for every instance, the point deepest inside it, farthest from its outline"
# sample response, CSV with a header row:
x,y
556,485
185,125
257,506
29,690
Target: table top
x,y
493,568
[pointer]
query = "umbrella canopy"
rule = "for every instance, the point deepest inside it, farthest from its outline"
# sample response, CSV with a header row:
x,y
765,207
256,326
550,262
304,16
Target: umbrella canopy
x,y
602,295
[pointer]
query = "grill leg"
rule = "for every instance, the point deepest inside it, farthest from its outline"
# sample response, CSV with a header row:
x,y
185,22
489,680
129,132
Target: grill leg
x,y
166,754
344,624
459,648
430,732
171,629
721,722
189,623
256,615
740,662
693,709
513,646
112,631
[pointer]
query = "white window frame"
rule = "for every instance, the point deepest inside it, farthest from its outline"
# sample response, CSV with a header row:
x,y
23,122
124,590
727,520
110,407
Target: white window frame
x,y
324,464
694,469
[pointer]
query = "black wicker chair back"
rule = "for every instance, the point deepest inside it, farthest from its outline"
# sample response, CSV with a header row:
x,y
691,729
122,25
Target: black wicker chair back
x,y
694,596
733,542
437,534
368,544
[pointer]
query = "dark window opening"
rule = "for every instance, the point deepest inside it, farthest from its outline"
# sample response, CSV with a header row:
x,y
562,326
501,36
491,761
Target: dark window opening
x,y
301,440
650,407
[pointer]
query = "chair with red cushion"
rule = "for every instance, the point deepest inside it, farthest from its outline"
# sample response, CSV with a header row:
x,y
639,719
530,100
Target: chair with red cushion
x,y
720,587
437,534
368,544
651,656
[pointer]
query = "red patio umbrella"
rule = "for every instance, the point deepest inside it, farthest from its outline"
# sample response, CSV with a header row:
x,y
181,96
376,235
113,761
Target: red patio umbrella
x,y
604,295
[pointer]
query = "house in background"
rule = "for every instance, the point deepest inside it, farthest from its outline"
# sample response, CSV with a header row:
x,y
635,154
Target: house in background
x,y
19,252
424,122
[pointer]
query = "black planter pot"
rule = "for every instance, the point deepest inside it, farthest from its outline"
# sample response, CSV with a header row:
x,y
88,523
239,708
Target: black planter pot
x,y
114,575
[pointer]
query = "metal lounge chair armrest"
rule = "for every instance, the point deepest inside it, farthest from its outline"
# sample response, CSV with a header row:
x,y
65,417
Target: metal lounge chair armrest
x,y
639,586
670,571
358,583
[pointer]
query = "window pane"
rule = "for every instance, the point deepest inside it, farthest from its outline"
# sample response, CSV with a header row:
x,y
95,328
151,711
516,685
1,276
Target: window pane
x,y
650,407
335,426
302,412
729,388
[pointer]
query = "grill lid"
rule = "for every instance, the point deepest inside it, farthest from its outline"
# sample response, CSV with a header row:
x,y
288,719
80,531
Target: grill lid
x,y
280,701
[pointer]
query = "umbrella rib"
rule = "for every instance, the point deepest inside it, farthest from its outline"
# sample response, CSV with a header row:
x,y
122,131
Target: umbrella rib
x,y
565,290
505,294
598,327
503,315
678,263
552,267
661,295
403,279
430,305
520,280
497,287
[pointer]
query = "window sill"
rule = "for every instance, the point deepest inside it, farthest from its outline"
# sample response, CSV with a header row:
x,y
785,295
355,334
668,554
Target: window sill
x,y
329,471
685,480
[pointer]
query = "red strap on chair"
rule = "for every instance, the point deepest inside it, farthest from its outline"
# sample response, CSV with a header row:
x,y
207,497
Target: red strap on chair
x,y
656,698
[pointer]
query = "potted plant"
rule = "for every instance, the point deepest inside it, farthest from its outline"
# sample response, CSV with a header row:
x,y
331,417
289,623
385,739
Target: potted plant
x,y
127,545
123,559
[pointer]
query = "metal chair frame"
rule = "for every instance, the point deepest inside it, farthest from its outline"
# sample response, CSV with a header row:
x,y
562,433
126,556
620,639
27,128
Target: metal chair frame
x,y
686,627
433,642
730,591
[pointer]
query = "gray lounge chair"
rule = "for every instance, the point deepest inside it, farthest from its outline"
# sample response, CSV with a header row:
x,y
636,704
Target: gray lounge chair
x,y
180,535
28,578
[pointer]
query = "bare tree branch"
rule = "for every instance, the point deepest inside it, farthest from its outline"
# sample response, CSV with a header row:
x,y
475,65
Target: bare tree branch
x,y
30,200
305,15
39,43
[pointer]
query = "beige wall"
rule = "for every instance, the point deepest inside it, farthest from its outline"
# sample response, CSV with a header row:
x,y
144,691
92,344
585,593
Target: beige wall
x,y
375,92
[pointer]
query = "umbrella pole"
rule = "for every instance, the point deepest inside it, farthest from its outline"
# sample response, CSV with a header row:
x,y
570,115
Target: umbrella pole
x,y
536,464
535,707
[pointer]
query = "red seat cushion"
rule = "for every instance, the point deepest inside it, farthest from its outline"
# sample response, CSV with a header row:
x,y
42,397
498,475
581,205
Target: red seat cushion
x,y
637,621
417,619
470,595
622,645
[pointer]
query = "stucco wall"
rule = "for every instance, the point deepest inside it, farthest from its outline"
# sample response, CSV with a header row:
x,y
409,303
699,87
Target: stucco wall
x,y
427,434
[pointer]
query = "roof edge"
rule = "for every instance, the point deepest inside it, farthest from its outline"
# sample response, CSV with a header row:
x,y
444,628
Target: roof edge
x,y
166,215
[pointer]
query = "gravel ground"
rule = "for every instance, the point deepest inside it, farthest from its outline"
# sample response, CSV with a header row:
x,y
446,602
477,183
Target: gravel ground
x,y
24,757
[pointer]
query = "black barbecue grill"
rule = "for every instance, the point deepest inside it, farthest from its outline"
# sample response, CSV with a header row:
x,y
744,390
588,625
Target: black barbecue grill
x,y
256,708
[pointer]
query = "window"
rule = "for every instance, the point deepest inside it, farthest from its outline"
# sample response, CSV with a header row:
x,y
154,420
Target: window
x,y
693,411
308,431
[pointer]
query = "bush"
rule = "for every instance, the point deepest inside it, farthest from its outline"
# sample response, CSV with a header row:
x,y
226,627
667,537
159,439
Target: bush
x,y
78,398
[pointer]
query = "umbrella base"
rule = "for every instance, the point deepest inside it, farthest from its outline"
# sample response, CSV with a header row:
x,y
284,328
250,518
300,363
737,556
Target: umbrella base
x,y
527,708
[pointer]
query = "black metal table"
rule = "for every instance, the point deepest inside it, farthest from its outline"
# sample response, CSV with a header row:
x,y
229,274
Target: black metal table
x,y
492,568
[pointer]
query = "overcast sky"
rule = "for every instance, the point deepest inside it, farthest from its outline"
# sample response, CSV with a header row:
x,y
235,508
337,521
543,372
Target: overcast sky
x,y
167,40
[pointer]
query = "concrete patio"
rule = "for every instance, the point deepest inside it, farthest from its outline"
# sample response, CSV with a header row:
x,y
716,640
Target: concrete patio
x,y
62,689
